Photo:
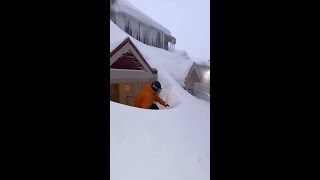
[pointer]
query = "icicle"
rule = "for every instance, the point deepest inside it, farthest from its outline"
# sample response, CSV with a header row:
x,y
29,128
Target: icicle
x,y
128,27
127,24
119,20
146,34
135,30
154,36
150,36
162,39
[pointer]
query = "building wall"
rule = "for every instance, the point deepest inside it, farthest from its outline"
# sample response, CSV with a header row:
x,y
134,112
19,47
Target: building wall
x,y
114,92
205,79
194,85
127,92
193,78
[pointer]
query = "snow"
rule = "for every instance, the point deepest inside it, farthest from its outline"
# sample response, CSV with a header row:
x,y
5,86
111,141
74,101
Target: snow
x,y
182,53
176,65
170,143
204,96
203,63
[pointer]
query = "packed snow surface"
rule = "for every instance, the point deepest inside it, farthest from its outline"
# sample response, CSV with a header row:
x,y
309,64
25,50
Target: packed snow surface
x,y
170,143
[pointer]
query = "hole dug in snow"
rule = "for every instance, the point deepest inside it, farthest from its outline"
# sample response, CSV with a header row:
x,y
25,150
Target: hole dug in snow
x,y
126,93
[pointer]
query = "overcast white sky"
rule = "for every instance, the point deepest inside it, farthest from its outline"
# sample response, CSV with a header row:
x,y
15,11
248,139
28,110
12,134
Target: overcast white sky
x,y
187,20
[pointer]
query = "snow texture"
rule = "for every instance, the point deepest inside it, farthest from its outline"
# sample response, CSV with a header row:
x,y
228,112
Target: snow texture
x,y
170,143
202,62
204,96
182,53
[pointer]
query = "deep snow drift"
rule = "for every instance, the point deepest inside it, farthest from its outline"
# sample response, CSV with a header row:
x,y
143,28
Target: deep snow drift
x,y
171,144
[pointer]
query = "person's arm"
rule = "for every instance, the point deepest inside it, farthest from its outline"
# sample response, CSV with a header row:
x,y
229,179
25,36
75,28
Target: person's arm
x,y
160,100
147,101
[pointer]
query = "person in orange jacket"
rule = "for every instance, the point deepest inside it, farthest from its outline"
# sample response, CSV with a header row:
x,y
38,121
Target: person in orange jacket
x,y
149,94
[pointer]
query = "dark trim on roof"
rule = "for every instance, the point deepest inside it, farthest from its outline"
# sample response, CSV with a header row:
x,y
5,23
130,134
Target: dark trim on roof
x,y
127,40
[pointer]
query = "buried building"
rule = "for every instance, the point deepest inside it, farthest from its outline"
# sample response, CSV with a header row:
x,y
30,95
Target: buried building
x,y
129,73
198,79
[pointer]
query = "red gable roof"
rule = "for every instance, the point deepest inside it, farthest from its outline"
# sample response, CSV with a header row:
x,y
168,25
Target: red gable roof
x,y
128,61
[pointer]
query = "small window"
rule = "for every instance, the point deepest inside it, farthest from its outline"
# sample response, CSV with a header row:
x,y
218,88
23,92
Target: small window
x,y
126,87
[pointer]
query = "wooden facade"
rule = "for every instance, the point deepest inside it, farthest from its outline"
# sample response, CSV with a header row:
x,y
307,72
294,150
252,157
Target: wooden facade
x,y
125,93
129,73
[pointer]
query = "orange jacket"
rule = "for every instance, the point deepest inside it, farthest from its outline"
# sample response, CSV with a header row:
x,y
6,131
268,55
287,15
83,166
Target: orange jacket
x,y
146,98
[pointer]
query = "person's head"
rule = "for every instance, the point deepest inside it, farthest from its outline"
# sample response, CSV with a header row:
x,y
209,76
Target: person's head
x,y
156,86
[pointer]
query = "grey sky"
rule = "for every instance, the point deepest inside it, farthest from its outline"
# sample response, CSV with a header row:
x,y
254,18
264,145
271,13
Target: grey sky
x,y
187,20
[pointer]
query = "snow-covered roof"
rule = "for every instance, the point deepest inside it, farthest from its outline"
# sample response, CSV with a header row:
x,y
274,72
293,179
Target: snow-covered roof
x,y
178,66
128,8
182,53
203,63
200,67
115,45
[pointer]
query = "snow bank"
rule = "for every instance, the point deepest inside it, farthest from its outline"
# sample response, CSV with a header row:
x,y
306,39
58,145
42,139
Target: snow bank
x,y
204,96
169,144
